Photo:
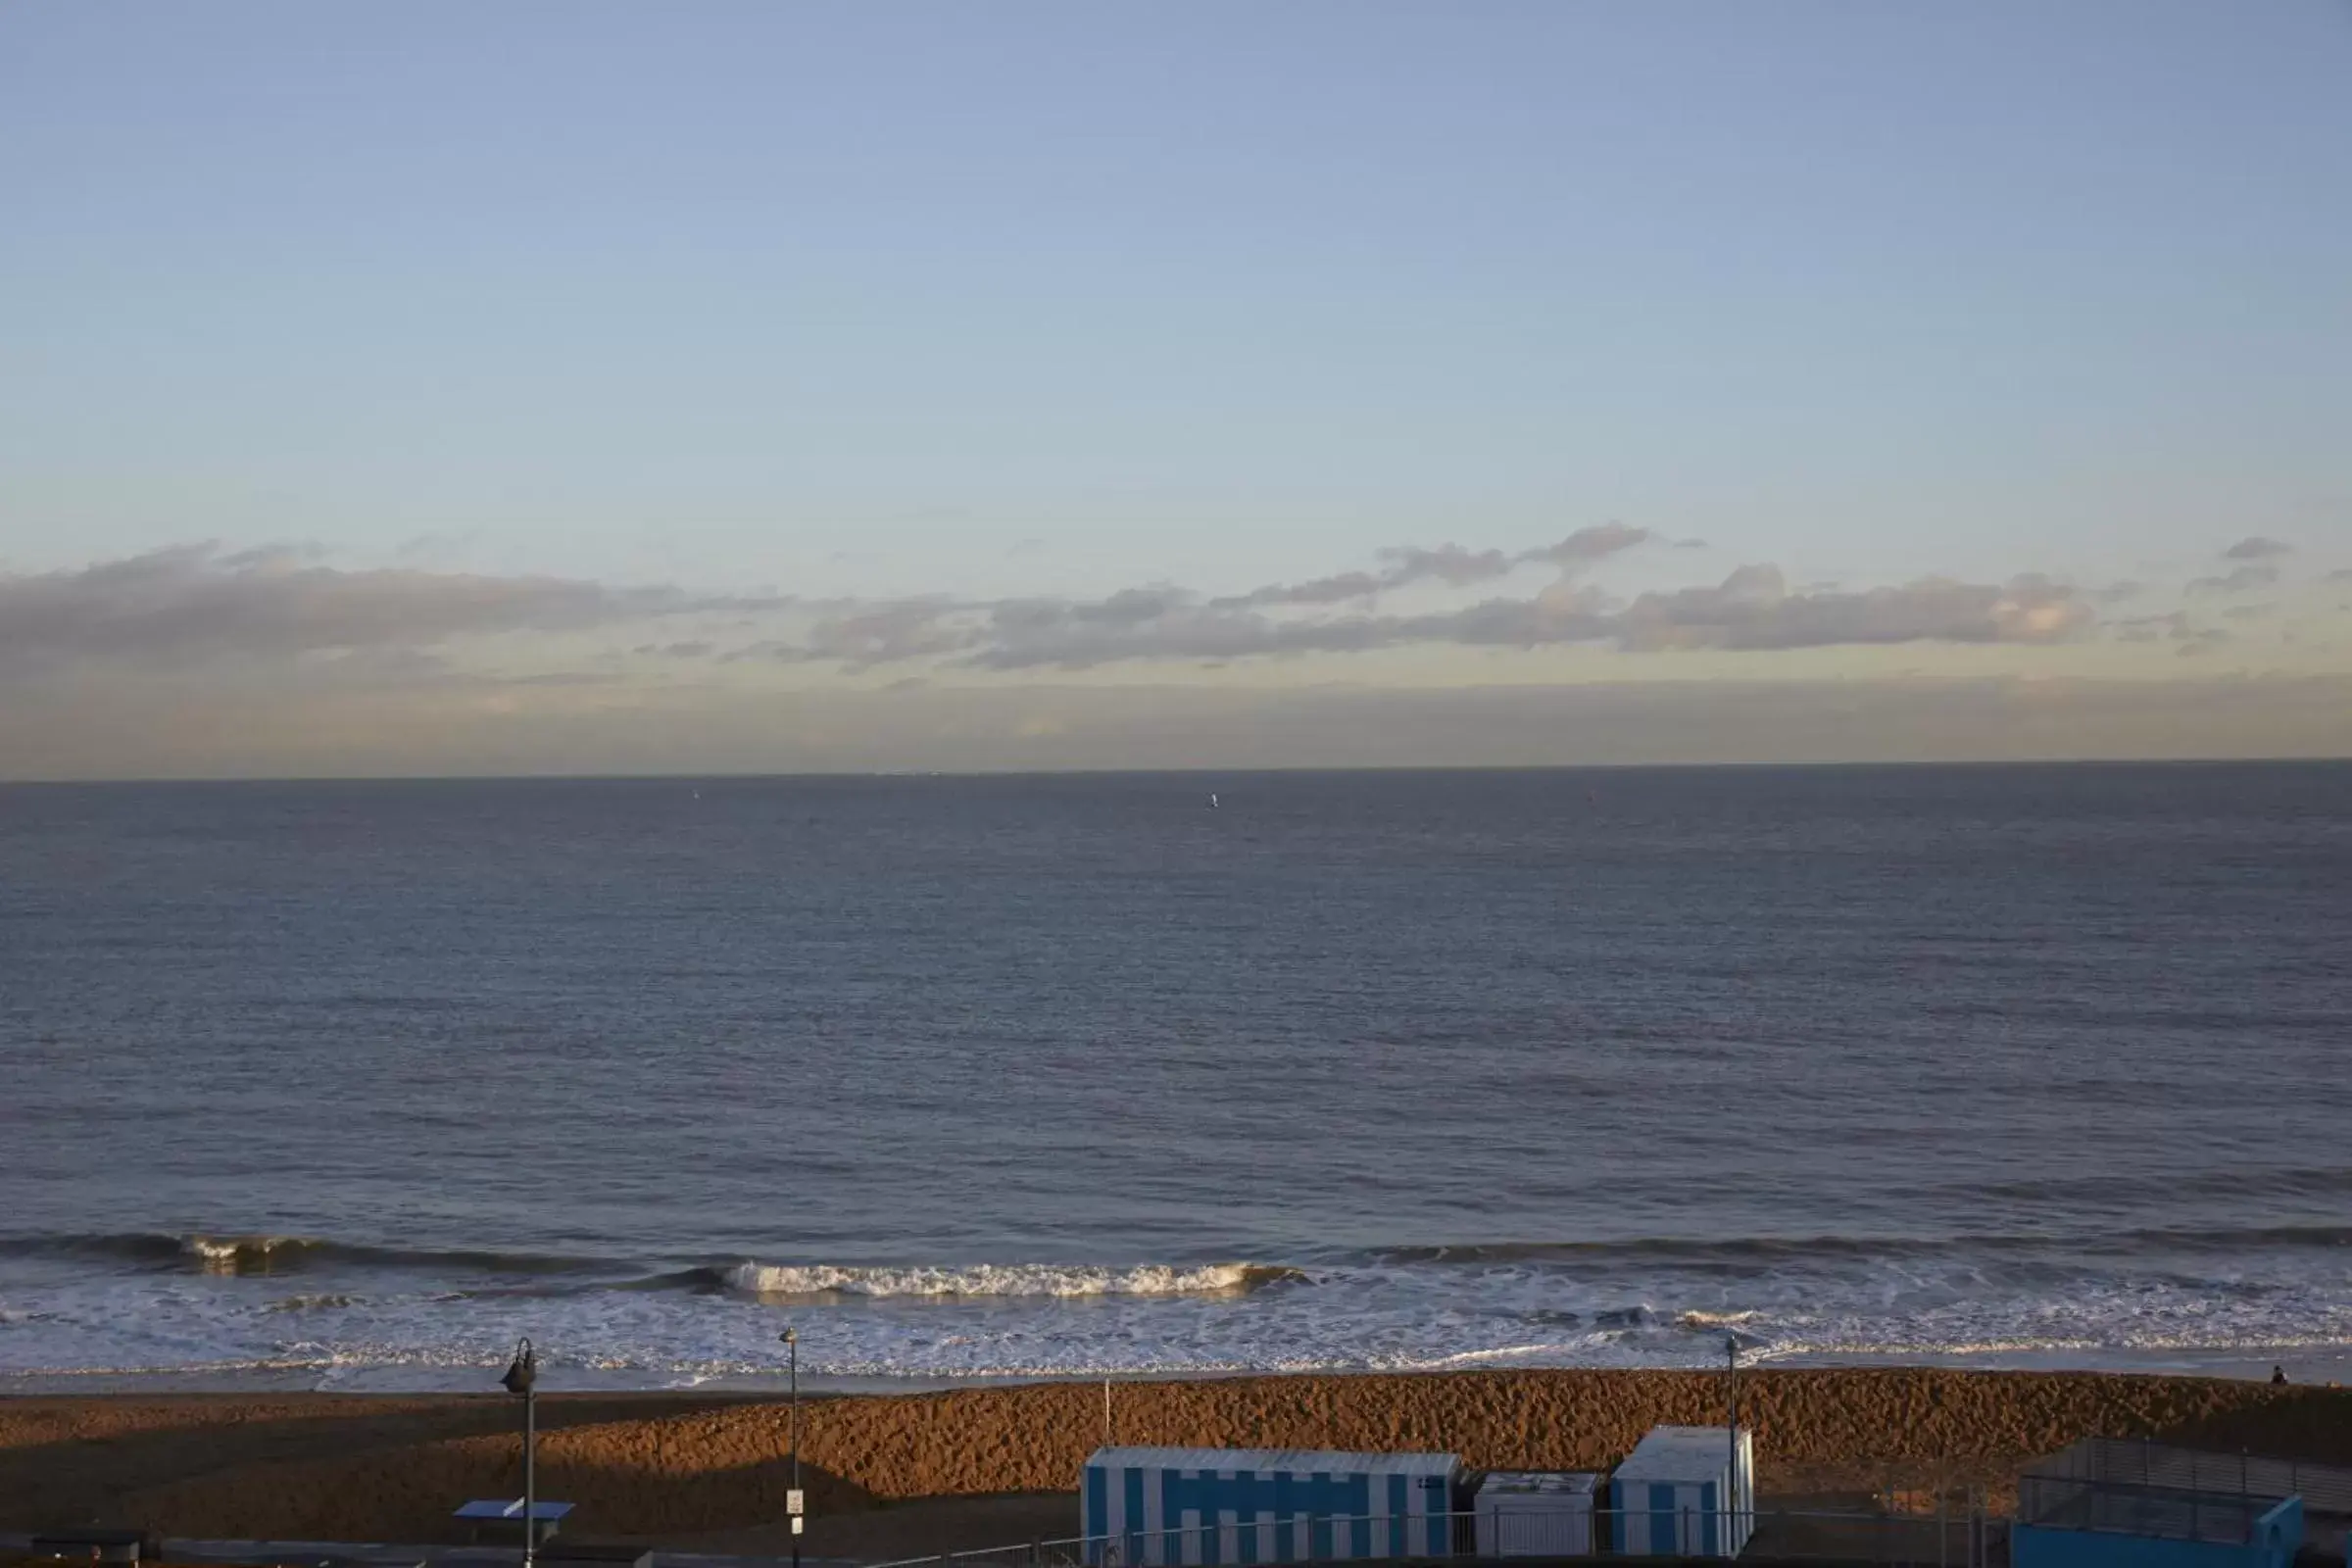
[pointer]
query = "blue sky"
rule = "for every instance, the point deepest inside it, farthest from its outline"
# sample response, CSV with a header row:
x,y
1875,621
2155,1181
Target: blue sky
x,y
870,301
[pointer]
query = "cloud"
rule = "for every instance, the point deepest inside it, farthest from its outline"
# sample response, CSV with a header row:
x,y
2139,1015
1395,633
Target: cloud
x,y
196,604
199,606
1587,545
2257,548
1451,564
2245,579
880,634
202,660
1752,610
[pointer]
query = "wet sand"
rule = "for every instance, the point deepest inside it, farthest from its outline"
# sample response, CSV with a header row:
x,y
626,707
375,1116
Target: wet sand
x,y
891,1476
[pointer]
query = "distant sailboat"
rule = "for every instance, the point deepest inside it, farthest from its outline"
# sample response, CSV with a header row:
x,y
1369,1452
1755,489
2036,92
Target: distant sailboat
x,y
1212,800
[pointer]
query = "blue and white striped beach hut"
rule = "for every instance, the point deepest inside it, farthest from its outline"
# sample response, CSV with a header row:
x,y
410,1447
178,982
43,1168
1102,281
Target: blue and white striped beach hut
x,y
1205,1508
1684,1491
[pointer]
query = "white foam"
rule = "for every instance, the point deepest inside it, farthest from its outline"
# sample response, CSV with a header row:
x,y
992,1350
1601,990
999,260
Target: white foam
x,y
942,1323
987,1279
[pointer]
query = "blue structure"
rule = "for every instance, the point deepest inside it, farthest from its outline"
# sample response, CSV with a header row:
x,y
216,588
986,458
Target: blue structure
x,y
2104,1503
1684,1491
1212,1507
2270,1540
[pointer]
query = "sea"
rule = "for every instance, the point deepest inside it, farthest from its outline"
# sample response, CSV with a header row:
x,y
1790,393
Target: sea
x,y
351,1085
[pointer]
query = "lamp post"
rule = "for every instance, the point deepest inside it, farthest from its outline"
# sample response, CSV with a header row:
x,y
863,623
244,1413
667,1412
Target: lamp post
x,y
522,1378
791,1346
1730,1482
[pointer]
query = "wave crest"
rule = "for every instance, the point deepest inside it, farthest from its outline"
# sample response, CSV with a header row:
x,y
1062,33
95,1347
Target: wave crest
x,y
262,1252
244,1255
1006,1279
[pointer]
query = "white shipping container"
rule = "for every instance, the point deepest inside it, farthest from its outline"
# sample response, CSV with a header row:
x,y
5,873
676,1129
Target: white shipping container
x,y
1535,1513
1222,1507
1686,1491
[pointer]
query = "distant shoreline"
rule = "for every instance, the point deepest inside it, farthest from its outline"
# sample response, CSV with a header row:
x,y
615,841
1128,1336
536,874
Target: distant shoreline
x,y
1203,770
2305,1366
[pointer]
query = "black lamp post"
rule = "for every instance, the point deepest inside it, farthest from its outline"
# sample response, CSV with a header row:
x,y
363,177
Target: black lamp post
x,y
792,1346
522,1378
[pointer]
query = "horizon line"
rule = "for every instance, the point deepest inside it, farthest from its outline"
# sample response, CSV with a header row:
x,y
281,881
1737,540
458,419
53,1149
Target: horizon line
x,y
1852,764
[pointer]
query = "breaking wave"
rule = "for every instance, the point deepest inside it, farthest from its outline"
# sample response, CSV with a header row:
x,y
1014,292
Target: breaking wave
x,y
1007,1280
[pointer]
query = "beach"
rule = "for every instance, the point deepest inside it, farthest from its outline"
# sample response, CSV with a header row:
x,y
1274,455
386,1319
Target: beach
x,y
898,1475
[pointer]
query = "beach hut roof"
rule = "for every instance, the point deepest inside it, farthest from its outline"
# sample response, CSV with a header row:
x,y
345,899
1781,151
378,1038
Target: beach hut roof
x,y
1677,1454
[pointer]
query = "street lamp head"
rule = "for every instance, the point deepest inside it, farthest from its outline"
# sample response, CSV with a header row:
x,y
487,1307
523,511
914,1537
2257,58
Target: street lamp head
x,y
523,1372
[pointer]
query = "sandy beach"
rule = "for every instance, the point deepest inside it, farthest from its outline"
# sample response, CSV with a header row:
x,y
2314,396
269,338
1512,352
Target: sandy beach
x,y
897,1475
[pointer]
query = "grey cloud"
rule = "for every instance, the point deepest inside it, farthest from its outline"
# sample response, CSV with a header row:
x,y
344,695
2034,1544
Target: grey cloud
x,y
196,604
1040,633
1455,565
1406,566
2257,548
1450,564
1587,545
1753,608
1337,589
2245,579
2250,612
2344,576
883,633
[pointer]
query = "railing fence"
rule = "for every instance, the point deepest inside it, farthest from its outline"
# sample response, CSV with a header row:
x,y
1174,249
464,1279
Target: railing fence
x,y
1949,1538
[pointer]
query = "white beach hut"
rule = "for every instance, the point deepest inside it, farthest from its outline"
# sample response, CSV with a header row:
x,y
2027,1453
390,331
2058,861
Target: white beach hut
x,y
1686,1491
1208,1507
1535,1513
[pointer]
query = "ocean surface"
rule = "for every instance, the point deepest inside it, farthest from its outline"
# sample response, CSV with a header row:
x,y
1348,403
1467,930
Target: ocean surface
x,y
349,1085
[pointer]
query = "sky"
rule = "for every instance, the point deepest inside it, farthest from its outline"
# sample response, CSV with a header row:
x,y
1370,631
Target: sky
x,y
567,386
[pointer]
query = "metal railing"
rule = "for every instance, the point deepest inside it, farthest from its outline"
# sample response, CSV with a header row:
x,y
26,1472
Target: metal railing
x,y
2128,1461
1953,1539
2118,1507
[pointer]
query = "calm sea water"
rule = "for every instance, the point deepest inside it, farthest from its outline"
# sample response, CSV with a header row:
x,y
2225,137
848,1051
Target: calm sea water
x,y
349,1083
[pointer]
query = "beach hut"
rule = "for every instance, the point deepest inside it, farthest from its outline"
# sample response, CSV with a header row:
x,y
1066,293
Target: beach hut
x,y
1205,1508
1684,1491
1535,1513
